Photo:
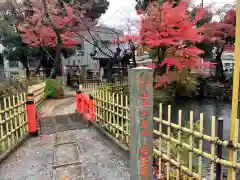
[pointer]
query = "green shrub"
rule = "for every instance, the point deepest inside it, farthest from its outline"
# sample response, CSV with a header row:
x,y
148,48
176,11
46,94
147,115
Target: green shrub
x,y
53,89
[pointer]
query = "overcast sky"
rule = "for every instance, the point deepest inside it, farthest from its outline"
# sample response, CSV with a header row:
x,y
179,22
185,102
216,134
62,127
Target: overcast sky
x,y
120,11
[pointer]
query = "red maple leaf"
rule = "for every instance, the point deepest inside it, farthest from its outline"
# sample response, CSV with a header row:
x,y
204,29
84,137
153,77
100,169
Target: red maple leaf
x,y
36,31
173,29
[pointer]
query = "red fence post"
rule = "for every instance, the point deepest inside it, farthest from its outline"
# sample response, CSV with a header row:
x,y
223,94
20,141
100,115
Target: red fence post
x,y
78,101
85,105
85,99
92,108
31,116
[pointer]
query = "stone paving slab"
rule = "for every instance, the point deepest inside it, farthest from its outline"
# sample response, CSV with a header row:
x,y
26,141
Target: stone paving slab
x,y
65,154
65,122
71,172
97,159
63,138
66,163
101,160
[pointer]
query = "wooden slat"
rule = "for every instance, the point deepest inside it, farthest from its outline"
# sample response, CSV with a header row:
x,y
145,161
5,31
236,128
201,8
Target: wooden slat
x,y
13,123
118,111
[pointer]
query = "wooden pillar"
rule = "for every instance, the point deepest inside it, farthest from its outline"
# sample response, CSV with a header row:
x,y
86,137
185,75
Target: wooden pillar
x,y
141,122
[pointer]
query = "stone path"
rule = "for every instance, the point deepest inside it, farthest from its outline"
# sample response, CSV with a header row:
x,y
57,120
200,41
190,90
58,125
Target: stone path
x,y
75,154
66,162
57,107
32,161
92,157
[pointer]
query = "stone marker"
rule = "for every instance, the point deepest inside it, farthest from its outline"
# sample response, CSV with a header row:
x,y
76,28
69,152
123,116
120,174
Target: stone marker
x,y
141,122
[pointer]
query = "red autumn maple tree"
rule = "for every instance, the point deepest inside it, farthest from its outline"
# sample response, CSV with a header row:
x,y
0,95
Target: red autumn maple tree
x,y
36,30
173,33
222,33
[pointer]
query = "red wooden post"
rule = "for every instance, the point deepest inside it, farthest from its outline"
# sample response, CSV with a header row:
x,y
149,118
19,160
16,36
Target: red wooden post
x,y
92,108
85,100
78,101
31,116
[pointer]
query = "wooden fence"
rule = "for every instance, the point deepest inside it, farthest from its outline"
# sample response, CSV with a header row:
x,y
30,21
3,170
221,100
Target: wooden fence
x,y
93,85
38,93
179,149
13,122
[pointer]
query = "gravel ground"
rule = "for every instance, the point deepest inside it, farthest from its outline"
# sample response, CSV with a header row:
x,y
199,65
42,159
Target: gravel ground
x,y
32,161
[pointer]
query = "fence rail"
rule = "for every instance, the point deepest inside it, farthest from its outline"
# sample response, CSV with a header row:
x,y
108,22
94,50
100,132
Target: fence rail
x,y
13,117
93,85
38,93
112,113
179,149
13,122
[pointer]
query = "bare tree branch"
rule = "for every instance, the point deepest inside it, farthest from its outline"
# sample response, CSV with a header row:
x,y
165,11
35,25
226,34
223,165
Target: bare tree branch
x,y
94,44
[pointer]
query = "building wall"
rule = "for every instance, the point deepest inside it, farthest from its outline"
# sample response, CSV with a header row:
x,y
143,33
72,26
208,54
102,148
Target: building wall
x,y
13,68
84,58
228,62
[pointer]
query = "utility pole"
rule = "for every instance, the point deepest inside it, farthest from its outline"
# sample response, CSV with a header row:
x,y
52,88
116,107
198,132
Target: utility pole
x,y
202,3
235,94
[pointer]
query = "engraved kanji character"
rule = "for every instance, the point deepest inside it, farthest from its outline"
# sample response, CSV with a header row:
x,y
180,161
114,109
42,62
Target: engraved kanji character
x,y
145,103
144,127
143,113
144,95
143,151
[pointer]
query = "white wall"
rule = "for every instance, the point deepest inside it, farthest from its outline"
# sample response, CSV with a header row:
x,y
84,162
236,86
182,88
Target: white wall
x,y
99,33
228,61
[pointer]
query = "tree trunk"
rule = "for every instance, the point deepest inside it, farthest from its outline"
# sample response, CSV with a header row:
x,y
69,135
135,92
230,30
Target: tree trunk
x,y
26,67
58,65
47,65
38,67
57,71
110,71
40,63
24,61
133,53
27,71
134,58
219,74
